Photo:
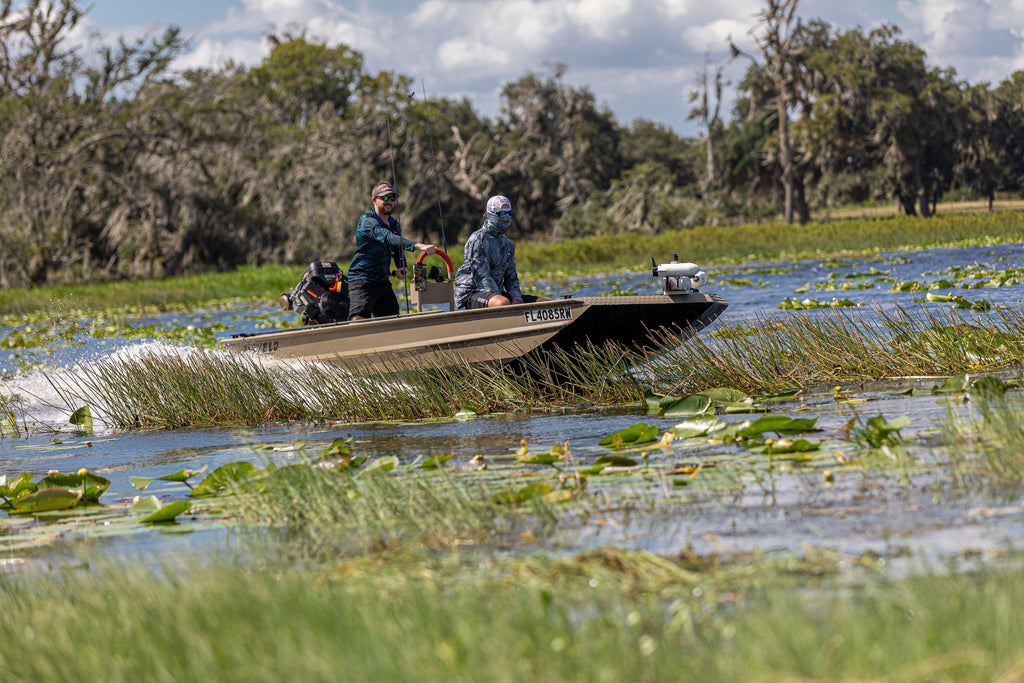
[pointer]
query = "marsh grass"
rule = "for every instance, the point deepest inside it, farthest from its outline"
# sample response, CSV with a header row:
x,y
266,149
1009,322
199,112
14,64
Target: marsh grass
x,y
706,245
263,283
603,615
763,355
188,387
774,352
324,514
987,447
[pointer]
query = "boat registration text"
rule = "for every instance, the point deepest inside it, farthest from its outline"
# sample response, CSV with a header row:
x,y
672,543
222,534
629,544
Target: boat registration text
x,y
544,315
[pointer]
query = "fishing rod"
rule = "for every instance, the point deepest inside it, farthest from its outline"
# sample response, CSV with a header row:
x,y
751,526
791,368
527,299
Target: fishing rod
x,y
433,161
394,184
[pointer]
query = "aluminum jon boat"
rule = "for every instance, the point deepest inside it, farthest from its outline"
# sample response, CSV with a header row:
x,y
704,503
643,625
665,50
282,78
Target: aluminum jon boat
x,y
495,335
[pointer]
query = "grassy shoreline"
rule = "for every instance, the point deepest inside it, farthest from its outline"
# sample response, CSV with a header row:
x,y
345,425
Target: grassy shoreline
x,y
703,245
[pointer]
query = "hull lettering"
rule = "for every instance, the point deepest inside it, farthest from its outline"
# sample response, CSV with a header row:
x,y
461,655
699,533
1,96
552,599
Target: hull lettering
x,y
262,347
545,315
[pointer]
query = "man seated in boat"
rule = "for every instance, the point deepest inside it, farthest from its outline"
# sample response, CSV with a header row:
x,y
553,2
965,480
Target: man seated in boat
x,y
487,276
378,241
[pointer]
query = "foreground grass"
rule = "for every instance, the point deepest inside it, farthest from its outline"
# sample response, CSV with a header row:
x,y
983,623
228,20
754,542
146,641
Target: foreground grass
x,y
212,626
703,245
605,615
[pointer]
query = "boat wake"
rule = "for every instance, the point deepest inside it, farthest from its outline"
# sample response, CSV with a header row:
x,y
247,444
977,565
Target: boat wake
x,y
44,399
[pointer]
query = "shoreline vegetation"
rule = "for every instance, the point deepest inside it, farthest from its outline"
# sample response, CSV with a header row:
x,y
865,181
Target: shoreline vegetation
x,y
707,245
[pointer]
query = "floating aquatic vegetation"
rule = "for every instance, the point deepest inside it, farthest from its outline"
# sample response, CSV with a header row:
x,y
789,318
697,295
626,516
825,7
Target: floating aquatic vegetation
x,y
959,301
812,304
158,512
634,435
876,432
730,400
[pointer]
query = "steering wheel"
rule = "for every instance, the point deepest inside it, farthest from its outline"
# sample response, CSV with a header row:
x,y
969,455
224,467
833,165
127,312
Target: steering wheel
x,y
447,261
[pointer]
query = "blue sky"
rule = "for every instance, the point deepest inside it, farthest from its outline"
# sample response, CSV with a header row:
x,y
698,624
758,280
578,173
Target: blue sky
x,y
638,57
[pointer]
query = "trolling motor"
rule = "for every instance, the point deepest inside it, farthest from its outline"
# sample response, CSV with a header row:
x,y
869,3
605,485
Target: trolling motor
x,y
677,277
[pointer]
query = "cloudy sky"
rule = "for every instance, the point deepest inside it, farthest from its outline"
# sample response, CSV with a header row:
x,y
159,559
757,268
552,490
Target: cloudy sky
x,y
638,57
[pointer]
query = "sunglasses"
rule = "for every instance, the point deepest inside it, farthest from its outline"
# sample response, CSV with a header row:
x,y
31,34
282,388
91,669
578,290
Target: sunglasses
x,y
388,197
503,213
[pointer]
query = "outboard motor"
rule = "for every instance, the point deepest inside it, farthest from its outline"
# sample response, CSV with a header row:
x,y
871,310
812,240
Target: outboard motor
x,y
321,295
677,277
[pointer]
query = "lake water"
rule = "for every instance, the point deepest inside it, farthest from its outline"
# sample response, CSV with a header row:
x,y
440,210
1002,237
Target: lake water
x,y
852,515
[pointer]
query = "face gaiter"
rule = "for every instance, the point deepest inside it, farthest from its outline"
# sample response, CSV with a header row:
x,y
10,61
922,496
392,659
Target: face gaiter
x,y
497,225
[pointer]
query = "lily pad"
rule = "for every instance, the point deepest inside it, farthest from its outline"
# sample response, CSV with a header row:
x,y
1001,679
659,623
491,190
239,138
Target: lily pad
x,y
161,513
524,494
90,485
381,465
47,500
783,446
780,424
698,426
634,435
222,478
436,462
180,476
82,418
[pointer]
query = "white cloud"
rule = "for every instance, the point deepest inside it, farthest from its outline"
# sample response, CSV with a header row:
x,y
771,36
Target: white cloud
x,y
639,56
603,19
217,53
285,8
462,54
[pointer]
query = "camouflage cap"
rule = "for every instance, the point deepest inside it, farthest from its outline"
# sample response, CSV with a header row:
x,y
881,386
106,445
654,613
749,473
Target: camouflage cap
x,y
498,203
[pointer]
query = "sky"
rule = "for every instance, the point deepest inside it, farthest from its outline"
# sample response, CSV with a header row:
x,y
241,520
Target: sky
x,y
640,58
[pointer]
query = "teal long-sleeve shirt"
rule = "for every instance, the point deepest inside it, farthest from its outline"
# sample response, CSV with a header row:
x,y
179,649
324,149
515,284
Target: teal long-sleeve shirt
x,y
377,244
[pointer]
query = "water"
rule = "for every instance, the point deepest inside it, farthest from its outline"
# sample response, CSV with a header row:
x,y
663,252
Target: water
x,y
851,515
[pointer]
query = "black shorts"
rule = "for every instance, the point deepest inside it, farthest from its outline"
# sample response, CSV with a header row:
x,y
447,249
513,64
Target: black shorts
x,y
480,299
371,298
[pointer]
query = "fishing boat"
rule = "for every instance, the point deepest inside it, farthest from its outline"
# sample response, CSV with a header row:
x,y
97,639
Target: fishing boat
x,y
505,334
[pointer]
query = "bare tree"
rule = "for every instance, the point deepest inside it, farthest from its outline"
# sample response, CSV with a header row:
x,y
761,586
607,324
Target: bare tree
x,y
708,97
774,36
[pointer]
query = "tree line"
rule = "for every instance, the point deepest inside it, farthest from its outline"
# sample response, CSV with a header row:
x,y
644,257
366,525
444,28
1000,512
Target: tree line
x,y
114,166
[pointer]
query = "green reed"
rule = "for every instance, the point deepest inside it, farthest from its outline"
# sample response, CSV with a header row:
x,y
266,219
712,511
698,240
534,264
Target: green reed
x,y
602,615
775,352
985,447
764,354
197,387
329,514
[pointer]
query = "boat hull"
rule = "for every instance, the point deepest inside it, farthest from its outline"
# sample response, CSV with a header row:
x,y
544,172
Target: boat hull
x,y
501,334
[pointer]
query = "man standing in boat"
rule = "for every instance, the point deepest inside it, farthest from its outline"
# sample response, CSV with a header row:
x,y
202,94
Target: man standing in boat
x,y
488,275
378,241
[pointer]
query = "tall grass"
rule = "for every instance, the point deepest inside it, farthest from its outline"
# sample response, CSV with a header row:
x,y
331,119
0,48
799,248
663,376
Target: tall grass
x,y
776,352
764,354
985,447
194,387
607,616
323,514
